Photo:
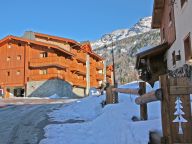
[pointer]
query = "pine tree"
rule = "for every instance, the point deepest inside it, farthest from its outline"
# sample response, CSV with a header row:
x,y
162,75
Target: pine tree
x,y
179,114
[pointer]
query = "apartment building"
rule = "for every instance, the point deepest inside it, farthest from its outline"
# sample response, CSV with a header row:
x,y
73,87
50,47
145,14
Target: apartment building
x,y
174,54
41,65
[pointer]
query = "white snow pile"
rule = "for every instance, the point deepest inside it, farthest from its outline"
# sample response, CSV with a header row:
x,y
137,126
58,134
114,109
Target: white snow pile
x,y
86,122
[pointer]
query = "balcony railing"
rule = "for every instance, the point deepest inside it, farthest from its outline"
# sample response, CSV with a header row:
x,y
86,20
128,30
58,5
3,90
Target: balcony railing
x,y
99,76
78,81
108,73
81,57
94,84
78,68
81,69
46,77
49,61
99,65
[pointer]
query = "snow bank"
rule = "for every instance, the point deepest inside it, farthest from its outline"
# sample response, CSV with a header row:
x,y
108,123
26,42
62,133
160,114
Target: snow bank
x,y
86,122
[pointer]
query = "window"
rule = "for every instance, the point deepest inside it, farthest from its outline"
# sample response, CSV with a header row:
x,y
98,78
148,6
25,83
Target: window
x,y
8,73
43,54
187,47
43,72
173,58
9,46
8,58
163,34
18,72
170,17
19,57
183,2
19,44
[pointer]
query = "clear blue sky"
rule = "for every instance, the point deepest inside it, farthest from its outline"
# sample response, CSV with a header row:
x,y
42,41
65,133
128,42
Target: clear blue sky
x,y
76,19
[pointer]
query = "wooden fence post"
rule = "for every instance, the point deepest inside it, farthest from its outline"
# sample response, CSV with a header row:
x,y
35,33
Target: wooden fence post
x,y
176,110
111,97
143,107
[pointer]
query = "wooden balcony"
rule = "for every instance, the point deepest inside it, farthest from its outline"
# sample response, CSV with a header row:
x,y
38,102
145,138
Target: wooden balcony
x,y
92,72
94,84
81,69
82,57
99,76
60,62
78,82
46,77
99,65
92,61
108,73
78,68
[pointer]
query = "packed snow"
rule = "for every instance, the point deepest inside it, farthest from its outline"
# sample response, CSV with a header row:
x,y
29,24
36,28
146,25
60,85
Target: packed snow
x,y
86,122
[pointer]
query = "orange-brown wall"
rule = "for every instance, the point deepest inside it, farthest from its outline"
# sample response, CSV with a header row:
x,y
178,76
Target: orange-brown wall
x,y
13,65
169,28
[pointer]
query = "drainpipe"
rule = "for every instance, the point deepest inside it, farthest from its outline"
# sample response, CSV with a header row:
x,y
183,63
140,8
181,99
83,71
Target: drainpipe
x,y
87,74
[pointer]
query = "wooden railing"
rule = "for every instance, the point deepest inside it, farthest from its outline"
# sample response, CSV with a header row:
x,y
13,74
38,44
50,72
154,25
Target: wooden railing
x,y
78,81
99,65
81,57
46,77
99,76
94,84
78,68
108,73
81,69
49,61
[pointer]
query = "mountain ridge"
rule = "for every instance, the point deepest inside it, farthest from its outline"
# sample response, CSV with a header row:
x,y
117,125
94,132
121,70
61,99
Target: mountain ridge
x,y
126,43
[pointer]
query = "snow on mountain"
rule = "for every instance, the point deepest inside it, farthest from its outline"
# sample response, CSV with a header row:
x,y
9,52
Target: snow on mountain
x,y
144,25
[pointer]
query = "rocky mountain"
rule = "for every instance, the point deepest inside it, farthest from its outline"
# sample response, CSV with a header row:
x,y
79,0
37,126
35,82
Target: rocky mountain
x,y
126,43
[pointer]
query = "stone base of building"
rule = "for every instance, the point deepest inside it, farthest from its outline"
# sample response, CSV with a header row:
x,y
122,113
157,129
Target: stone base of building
x,y
49,88
80,92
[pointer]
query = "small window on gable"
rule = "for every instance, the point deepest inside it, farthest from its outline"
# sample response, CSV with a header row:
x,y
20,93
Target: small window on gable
x,y
43,54
19,57
43,71
170,17
183,2
9,45
163,34
8,73
8,58
187,47
18,72
173,58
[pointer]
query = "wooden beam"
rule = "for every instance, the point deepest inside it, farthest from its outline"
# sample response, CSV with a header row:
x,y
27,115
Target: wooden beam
x,y
143,107
149,97
180,90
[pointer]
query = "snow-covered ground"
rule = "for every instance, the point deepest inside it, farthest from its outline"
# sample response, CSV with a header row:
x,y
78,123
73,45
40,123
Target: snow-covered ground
x,y
86,122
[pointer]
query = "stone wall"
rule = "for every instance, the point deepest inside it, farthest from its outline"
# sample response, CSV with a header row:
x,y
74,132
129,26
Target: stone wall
x,y
79,92
48,88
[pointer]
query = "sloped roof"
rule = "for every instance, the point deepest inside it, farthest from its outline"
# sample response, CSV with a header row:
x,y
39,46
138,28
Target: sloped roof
x,y
150,51
56,38
10,37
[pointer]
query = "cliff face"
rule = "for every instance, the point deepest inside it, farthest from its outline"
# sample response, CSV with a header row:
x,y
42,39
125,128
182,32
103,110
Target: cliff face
x,y
126,43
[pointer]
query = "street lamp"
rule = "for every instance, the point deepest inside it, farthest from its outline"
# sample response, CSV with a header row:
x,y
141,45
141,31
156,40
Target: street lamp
x,y
107,38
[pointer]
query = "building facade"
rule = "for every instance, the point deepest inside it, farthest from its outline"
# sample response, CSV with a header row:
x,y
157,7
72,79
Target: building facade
x,y
173,18
40,65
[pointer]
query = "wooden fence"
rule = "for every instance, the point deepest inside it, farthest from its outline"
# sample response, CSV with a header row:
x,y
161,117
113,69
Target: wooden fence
x,y
176,116
176,110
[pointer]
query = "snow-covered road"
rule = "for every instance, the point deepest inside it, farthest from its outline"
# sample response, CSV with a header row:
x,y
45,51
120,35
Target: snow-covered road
x,y
24,124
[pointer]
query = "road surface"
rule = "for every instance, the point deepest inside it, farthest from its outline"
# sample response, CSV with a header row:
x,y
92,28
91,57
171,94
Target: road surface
x,y
23,124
